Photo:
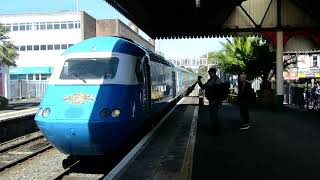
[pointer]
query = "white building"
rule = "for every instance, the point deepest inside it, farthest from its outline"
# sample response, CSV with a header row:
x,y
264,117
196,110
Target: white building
x,y
41,38
306,65
192,63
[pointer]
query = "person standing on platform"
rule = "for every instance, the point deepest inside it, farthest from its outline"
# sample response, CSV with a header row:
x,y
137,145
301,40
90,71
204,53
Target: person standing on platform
x,y
213,97
317,94
246,95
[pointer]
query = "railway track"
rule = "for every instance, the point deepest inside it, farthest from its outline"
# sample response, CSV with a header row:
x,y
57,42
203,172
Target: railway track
x,y
71,173
21,149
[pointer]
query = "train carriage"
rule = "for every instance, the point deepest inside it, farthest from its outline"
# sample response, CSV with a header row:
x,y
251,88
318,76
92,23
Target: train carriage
x,y
102,94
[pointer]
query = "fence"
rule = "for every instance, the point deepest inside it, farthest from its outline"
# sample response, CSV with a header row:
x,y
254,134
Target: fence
x,y
27,89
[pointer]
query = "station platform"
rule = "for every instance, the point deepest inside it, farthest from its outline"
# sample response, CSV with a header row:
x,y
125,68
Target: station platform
x,y
278,145
18,109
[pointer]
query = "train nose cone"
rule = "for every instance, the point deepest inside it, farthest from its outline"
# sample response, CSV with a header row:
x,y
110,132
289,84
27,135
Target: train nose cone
x,y
74,112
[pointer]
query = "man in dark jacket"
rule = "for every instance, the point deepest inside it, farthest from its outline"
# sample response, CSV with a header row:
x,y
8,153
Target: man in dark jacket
x,y
246,96
211,95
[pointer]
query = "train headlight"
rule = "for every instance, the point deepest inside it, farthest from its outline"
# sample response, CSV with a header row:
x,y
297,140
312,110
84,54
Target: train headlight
x,y
46,112
105,112
115,113
39,113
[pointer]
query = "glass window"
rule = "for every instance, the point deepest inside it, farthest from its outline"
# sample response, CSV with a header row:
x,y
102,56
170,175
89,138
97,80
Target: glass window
x,y
36,47
49,25
56,25
57,47
69,45
28,26
64,46
15,27
45,76
43,47
315,61
70,25
22,48
90,68
42,25
29,47
77,25
9,27
36,26
17,76
22,26
50,47
64,25
139,71
30,76
37,76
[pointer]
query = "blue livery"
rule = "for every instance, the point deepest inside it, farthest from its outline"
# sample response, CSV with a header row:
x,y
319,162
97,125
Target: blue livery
x,y
103,93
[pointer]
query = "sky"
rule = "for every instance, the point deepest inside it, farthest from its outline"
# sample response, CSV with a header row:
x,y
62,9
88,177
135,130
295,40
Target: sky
x,y
99,9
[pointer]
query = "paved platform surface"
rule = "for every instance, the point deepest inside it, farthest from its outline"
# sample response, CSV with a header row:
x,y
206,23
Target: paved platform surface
x,y
163,157
279,145
20,105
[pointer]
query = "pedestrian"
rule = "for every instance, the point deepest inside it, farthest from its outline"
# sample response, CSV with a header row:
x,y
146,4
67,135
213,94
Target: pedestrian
x,y
211,94
246,96
317,94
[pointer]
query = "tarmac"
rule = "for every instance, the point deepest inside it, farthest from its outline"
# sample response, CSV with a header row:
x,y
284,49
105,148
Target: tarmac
x,y
278,145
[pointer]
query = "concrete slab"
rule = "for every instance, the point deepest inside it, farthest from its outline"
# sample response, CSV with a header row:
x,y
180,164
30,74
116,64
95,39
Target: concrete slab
x,y
279,145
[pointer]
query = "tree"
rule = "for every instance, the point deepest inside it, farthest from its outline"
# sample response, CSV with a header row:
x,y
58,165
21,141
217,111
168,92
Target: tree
x,y
8,52
250,55
203,72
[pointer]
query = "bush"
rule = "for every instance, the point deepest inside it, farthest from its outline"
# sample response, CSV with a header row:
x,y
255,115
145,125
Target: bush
x,y
3,102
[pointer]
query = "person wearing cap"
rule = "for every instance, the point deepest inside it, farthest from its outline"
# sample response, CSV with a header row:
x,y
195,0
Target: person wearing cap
x,y
211,95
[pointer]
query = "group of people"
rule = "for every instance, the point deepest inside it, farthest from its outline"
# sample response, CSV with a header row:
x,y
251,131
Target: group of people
x,y
244,99
316,93
307,97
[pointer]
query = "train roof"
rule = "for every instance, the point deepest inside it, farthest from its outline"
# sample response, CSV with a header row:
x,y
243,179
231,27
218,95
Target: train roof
x,y
114,44
118,45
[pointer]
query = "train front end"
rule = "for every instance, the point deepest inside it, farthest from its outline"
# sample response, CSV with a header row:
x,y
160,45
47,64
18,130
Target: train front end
x,y
89,107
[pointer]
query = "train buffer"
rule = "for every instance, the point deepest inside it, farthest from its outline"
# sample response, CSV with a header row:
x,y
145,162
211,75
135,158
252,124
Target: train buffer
x,y
278,145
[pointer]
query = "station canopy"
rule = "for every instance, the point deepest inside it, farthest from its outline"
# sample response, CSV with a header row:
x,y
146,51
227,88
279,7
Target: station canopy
x,y
213,18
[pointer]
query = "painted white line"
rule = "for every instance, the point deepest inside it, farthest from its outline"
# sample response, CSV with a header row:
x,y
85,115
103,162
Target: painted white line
x,y
16,114
186,169
122,165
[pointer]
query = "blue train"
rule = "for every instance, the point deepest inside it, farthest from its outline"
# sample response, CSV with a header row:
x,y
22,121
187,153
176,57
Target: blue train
x,y
103,92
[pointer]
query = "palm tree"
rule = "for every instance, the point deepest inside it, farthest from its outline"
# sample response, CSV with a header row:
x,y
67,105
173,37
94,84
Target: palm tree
x,y
8,52
244,54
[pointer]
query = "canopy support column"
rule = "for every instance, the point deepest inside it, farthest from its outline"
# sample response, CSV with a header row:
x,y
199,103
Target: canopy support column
x,y
279,71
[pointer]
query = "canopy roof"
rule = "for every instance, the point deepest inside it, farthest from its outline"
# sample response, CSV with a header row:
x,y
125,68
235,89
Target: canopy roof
x,y
207,18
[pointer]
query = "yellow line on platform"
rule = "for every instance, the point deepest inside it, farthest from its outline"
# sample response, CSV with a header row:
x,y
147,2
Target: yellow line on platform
x,y
186,169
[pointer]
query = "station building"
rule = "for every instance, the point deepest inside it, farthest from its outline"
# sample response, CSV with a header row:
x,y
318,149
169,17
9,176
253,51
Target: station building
x,y
192,63
41,38
306,65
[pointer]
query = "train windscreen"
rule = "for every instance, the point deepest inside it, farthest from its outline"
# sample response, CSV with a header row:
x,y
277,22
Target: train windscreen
x,y
83,69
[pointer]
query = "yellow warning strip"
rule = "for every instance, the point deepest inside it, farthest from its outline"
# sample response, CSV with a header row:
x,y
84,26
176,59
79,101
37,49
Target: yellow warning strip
x,y
186,169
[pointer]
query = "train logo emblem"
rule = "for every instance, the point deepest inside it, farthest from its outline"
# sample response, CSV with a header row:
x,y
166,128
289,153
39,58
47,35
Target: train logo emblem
x,y
78,98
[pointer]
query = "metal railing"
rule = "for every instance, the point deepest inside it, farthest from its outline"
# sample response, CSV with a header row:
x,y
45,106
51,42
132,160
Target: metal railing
x,y
27,89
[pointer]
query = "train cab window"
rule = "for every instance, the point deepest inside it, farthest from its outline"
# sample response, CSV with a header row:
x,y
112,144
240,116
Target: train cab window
x,y
139,71
100,68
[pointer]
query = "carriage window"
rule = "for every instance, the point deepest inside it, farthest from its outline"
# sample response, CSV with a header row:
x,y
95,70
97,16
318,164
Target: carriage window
x,y
102,68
